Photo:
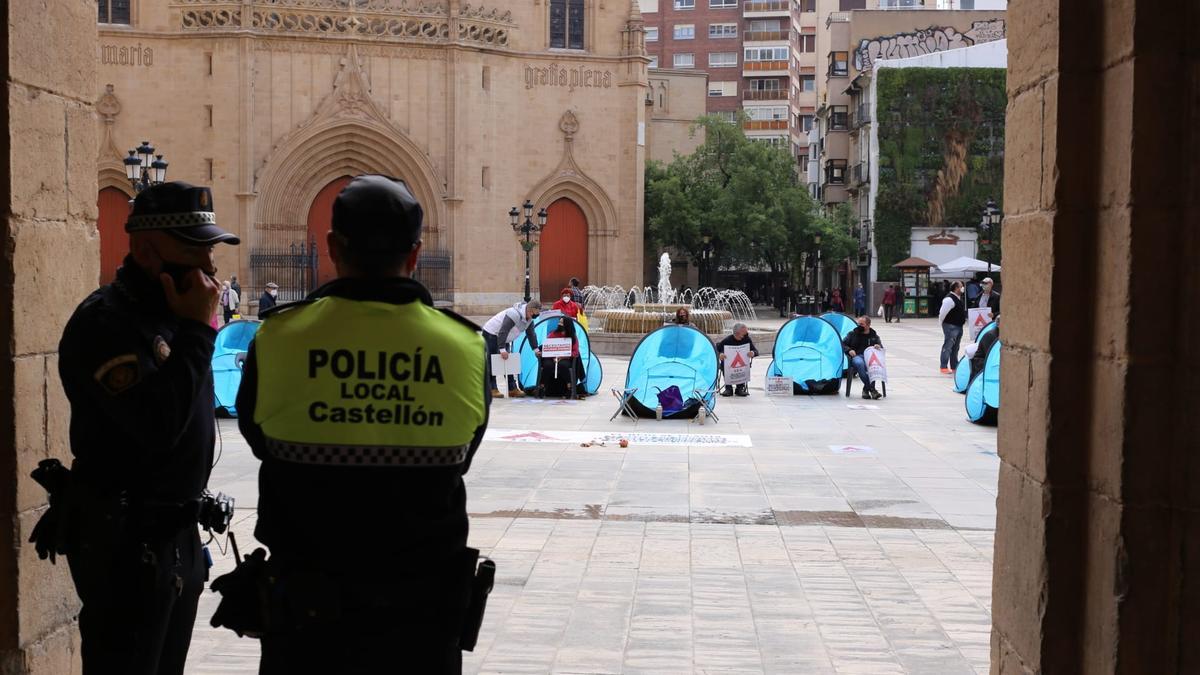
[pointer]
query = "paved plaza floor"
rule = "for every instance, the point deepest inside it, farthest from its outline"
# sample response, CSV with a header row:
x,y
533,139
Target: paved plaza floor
x,y
797,535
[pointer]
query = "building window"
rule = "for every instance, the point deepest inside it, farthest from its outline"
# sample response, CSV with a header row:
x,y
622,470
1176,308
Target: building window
x,y
839,64
808,43
722,4
684,31
805,122
208,113
722,88
685,4
722,30
835,172
113,11
767,113
654,60
726,115
808,5
652,34
684,61
722,60
566,24
839,118
765,85
766,54
808,83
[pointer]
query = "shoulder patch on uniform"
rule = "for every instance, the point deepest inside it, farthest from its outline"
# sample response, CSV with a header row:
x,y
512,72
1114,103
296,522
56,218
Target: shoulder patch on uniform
x,y
460,318
283,307
118,374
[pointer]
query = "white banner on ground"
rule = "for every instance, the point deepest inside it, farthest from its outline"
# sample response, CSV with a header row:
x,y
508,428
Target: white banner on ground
x,y
737,364
502,368
876,364
779,386
556,348
614,437
977,319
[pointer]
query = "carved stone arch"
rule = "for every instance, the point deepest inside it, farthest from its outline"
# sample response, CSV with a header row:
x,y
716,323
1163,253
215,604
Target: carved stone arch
x,y
113,177
317,154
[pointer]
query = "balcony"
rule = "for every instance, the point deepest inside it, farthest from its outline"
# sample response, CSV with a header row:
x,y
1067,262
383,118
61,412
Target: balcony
x,y
835,172
860,174
860,117
765,125
765,95
765,68
767,35
767,7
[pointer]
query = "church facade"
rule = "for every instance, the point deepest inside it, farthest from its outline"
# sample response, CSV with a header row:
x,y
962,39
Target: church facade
x,y
277,103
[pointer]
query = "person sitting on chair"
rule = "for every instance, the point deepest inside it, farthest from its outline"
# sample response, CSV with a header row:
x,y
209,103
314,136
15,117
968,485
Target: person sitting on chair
x,y
739,337
979,358
566,329
855,343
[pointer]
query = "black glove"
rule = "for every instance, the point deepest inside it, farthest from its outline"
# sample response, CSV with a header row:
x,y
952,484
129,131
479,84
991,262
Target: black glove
x,y
243,597
46,537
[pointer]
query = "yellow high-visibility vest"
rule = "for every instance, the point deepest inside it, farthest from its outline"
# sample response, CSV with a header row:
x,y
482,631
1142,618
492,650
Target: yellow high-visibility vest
x,y
364,383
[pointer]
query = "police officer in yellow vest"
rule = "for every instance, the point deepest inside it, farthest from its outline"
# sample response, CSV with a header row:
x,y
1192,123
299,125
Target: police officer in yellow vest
x,y
365,405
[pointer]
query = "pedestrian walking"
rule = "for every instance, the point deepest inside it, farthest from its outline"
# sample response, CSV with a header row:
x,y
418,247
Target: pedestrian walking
x,y
135,362
229,301
576,291
367,397
860,301
835,301
952,316
237,288
267,301
889,303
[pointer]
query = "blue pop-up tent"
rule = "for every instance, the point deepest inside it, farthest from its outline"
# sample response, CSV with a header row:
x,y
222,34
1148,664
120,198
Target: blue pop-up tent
x,y
672,355
229,351
529,361
844,323
808,349
962,372
983,394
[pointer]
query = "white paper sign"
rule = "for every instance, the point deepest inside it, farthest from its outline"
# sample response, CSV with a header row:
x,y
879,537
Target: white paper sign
x,y
779,386
876,364
502,367
556,348
737,364
977,319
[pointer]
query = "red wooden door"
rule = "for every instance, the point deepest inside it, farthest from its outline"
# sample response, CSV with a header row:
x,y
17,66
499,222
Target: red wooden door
x,y
114,242
564,248
320,215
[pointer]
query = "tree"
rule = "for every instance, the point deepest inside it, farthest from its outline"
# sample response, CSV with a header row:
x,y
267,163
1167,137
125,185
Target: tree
x,y
743,194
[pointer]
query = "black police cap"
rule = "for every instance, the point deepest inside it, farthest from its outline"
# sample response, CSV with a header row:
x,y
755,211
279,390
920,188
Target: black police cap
x,y
181,209
378,210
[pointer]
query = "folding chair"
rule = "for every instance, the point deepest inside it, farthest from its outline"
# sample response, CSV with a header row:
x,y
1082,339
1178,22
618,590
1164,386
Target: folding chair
x,y
852,375
624,396
704,395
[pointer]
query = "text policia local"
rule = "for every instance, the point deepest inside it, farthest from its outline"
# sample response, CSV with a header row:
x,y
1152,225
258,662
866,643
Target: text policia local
x,y
391,372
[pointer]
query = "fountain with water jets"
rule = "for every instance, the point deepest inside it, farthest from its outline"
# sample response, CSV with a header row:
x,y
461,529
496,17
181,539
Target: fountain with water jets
x,y
613,309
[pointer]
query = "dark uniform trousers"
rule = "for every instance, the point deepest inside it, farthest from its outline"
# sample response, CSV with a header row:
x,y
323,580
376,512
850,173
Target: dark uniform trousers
x,y
139,600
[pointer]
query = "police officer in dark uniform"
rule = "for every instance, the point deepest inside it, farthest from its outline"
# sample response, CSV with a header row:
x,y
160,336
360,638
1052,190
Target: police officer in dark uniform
x,y
135,364
365,405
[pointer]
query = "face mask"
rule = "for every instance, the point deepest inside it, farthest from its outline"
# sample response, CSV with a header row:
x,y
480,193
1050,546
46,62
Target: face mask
x,y
566,298
272,292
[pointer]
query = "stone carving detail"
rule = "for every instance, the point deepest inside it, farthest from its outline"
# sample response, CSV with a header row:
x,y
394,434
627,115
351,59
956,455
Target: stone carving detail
x,y
108,106
399,19
569,124
926,41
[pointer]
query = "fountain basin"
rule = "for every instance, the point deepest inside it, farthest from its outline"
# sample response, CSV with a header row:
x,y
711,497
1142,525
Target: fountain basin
x,y
640,322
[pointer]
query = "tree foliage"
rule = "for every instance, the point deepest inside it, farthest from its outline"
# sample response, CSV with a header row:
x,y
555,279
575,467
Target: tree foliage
x,y
746,197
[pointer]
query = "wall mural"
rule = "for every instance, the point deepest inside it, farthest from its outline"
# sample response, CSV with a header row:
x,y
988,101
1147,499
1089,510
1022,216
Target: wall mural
x,y
926,41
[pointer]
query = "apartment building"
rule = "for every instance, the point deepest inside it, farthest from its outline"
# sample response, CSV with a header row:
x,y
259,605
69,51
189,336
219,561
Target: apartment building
x,y
760,57
850,42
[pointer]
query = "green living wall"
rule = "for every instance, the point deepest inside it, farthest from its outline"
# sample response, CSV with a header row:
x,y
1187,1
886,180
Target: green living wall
x,y
941,153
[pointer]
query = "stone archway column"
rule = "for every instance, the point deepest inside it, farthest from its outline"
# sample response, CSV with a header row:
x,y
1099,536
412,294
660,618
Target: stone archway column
x,y
50,263
1097,558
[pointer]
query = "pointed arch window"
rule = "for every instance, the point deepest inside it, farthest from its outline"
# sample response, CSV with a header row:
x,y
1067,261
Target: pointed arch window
x,y
566,24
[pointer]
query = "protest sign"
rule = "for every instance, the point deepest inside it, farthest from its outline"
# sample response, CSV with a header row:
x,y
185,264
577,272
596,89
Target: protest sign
x,y
737,364
779,386
977,319
502,367
876,364
556,348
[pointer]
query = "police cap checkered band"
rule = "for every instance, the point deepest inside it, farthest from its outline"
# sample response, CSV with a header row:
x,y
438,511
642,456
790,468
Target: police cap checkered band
x,y
377,210
184,210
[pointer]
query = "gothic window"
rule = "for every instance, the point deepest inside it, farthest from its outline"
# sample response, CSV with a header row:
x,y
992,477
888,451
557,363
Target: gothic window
x,y
113,11
566,24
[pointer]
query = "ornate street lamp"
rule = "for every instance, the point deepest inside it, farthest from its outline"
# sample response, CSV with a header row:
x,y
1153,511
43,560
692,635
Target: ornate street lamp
x,y
143,168
989,221
706,255
527,233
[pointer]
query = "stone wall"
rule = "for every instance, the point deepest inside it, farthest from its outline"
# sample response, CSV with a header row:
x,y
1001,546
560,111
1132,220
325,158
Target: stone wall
x,y
1097,559
50,262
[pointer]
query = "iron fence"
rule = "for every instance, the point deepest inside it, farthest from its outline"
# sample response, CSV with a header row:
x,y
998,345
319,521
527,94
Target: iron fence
x,y
284,257
435,270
